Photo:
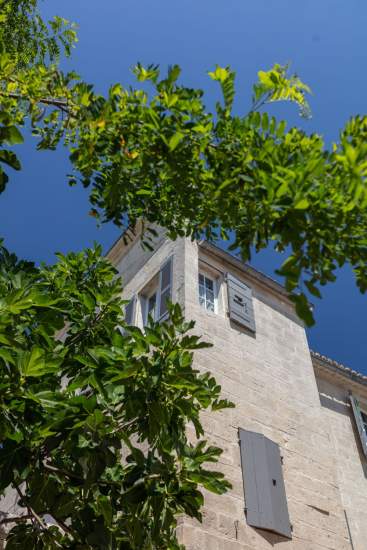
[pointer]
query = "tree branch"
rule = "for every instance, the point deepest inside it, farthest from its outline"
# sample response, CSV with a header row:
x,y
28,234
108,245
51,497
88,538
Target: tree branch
x,y
60,104
17,519
71,475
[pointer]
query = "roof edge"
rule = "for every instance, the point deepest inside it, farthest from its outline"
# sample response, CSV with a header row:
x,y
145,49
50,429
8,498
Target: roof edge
x,y
246,268
339,368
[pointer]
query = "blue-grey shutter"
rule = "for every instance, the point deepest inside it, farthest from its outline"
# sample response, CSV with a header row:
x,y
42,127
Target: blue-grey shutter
x,y
165,291
241,309
130,311
265,498
359,423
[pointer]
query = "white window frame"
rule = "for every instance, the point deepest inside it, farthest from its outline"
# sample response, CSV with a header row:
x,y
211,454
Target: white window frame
x,y
215,291
158,291
146,305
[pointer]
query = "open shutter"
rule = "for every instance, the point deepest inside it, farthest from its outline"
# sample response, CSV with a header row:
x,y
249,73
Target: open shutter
x,y
240,304
130,312
165,289
359,422
265,498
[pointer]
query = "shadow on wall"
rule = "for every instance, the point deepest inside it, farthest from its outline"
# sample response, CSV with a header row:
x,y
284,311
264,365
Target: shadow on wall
x,y
272,538
242,330
333,404
341,407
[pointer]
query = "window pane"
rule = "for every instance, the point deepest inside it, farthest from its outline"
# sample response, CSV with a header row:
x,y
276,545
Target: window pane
x,y
206,292
151,308
151,302
209,283
210,306
165,297
210,295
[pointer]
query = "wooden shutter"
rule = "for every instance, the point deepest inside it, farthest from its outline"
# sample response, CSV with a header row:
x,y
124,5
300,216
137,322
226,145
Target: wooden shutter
x,y
130,312
165,289
265,498
359,423
240,304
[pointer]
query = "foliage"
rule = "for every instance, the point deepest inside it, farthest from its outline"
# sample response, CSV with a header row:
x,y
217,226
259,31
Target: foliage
x,y
226,173
73,405
245,175
30,80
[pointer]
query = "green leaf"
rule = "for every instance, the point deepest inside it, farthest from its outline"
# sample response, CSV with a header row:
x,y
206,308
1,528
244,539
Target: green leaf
x,y
220,74
4,178
13,136
35,363
313,289
302,204
10,158
175,140
303,309
6,356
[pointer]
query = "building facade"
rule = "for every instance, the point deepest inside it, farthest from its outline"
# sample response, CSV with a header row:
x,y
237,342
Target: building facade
x,y
295,445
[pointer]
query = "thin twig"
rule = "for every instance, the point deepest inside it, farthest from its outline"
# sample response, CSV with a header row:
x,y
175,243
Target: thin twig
x,y
31,512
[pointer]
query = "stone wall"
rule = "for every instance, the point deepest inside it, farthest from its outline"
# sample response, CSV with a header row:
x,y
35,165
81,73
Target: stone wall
x,y
346,450
269,376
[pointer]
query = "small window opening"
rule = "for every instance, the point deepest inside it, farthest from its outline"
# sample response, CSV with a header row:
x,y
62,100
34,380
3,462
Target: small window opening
x,y
207,297
156,295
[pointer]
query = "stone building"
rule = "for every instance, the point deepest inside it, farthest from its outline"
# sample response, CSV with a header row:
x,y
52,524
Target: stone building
x,y
295,446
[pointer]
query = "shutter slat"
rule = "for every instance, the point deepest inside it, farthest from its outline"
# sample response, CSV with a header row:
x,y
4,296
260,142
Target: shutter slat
x,y
240,303
359,423
265,497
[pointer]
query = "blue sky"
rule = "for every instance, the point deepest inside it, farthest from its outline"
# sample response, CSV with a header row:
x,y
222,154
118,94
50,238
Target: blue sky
x,y
325,42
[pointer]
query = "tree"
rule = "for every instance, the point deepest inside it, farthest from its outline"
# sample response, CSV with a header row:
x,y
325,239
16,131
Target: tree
x,y
93,412
227,175
139,152
72,406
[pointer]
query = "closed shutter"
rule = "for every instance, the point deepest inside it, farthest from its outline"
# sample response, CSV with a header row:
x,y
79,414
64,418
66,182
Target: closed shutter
x,y
359,423
130,312
165,286
240,304
265,498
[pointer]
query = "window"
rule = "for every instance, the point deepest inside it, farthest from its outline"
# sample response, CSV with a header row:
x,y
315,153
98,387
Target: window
x,y
157,294
360,418
207,297
364,420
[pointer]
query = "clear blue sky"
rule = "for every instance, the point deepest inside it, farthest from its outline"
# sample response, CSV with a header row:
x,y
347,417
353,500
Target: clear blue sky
x,y
325,41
